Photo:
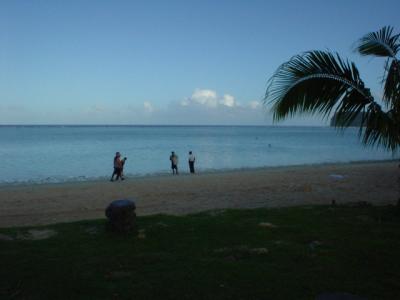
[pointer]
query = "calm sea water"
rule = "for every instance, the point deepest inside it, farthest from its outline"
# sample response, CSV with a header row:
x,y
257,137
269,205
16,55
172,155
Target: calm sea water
x,y
69,153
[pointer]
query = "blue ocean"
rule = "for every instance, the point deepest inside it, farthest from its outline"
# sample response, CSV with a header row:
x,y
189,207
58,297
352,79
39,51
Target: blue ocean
x,y
46,154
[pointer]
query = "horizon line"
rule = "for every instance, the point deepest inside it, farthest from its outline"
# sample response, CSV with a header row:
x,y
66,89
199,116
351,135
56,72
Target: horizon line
x,y
156,125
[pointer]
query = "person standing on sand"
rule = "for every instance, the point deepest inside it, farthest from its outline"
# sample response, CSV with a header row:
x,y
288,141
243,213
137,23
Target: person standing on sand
x,y
123,161
174,162
118,165
191,160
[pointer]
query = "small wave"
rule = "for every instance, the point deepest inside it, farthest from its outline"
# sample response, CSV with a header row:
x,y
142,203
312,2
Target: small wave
x,y
163,173
50,180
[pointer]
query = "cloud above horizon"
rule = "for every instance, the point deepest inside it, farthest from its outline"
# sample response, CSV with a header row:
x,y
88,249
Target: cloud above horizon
x,y
148,107
210,98
202,107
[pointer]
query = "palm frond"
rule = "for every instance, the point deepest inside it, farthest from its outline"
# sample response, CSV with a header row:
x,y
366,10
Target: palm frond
x,y
385,44
315,82
319,82
380,43
391,94
381,128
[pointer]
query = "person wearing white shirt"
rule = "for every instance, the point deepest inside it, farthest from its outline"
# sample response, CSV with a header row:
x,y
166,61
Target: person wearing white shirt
x,y
191,162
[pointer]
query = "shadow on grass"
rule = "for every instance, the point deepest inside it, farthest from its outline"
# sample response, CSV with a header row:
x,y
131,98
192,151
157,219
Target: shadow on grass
x,y
281,253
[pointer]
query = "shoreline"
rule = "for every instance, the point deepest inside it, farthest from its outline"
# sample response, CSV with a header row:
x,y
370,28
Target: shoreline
x,y
129,177
41,204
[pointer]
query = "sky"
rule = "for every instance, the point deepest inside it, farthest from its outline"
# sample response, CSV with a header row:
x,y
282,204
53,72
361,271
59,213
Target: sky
x,y
169,62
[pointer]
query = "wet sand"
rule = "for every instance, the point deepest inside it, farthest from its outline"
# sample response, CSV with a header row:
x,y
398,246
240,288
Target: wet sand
x,y
375,182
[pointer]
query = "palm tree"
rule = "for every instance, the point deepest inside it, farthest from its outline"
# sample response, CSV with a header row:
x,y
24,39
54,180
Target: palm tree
x,y
322,82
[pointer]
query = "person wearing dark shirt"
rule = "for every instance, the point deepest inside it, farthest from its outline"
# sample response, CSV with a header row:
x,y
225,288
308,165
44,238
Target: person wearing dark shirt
x,y
118,166
174,162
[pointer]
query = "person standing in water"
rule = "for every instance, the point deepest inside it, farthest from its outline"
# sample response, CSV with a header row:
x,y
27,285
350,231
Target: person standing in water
x,y
191,161
174,162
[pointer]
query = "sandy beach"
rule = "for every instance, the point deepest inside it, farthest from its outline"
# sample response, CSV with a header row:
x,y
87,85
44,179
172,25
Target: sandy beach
x,y
375,182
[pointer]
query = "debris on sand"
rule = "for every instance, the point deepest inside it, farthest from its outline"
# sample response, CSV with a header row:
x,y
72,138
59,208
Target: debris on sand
x,y
37,234
267,225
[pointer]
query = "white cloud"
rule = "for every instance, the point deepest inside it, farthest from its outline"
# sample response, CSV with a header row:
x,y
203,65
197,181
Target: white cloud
x,y
228,100
185,102
203,107
204,97
148,107
209,98
254,104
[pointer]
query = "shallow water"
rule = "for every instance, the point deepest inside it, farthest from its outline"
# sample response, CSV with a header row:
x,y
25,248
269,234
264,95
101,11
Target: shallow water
x,y
70,153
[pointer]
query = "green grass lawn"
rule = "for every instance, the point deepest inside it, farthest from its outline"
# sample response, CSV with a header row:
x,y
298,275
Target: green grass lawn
x,y
212,255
